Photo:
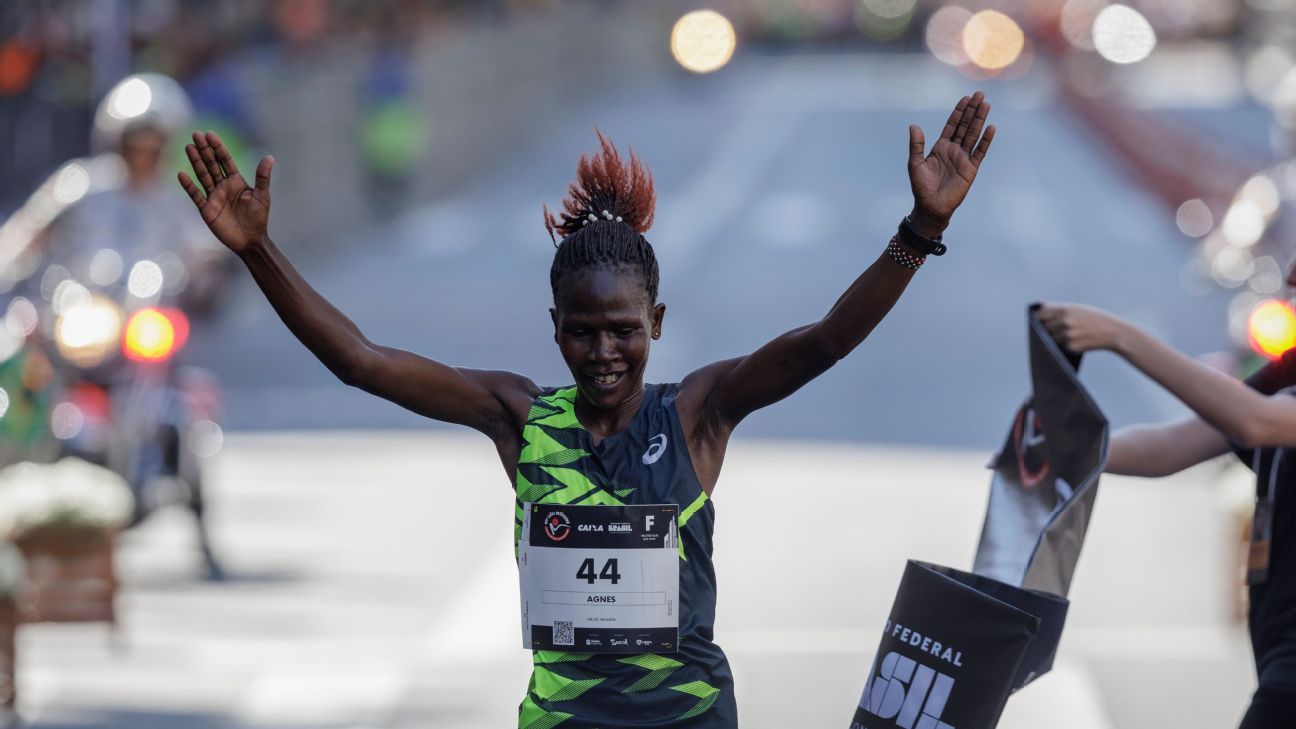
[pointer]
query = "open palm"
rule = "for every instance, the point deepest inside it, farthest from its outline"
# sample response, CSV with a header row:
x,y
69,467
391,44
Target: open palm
x,y
236,213
941,179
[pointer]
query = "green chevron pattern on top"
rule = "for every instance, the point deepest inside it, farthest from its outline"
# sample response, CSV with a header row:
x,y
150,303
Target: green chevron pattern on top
x,y
549,466
550,686
706,693
532,716
659,669
687,514
556,466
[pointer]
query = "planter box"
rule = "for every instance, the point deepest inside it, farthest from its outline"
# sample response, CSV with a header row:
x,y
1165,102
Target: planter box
x,y
70,574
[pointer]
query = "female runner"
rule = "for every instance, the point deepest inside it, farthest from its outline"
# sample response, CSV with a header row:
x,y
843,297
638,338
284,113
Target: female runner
x,y
1257,421
608,439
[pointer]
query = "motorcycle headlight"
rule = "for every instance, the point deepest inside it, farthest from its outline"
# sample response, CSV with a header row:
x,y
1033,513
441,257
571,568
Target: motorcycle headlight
x,y
88,333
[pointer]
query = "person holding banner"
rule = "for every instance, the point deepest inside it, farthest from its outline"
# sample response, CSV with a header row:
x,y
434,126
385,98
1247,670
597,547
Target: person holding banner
x,y
650,454
1257,421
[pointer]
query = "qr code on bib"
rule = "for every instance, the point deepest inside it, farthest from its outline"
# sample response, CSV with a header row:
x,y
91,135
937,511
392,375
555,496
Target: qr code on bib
x,y
563,634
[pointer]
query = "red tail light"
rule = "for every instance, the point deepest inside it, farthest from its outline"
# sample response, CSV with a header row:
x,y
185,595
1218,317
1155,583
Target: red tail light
x,y
153,335
1272,328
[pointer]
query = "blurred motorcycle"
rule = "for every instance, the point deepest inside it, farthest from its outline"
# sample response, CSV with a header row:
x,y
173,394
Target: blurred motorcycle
x,y
95,278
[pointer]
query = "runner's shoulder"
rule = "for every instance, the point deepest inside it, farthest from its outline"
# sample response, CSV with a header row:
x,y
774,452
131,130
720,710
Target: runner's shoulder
x,y
515,392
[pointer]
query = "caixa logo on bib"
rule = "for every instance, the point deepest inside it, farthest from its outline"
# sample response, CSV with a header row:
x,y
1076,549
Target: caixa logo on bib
x,y
907,694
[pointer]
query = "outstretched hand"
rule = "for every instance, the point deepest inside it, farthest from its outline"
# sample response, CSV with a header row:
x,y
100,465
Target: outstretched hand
x,y
236,213
941,179
1080,328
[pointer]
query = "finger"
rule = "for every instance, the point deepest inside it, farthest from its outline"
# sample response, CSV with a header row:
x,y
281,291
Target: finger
x,y
980,152
952,123
192,189
969,112
974,131
199,167
209,158
263,174
222,154
917,144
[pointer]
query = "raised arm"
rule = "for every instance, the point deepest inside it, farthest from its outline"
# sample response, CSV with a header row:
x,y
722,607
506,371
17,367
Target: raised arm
x,y
494,403
1241,414
726,392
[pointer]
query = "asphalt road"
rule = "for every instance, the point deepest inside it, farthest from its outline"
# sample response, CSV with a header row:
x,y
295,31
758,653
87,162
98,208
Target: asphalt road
x,y
373,587
779,180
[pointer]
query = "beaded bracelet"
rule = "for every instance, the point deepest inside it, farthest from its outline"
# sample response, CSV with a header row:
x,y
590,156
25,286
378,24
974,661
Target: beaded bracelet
x,y
903,257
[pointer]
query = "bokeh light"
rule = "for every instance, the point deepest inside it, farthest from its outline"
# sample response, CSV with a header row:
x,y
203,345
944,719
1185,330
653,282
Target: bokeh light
x,y
703,41
1268,276
1122,35
87,334
71,183
69,295
66,421
1271,328
21,317
4,402
1262,191
1244,223
106,267
1232,266
884,20
1194,218
129,99
150,336
206,438
992,40
944,34
145,280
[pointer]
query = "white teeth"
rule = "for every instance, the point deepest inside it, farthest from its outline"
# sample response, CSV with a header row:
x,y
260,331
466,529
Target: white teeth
x,y
606,379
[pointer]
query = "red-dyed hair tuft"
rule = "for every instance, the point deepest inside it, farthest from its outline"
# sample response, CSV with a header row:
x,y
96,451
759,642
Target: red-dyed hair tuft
x,y
605,182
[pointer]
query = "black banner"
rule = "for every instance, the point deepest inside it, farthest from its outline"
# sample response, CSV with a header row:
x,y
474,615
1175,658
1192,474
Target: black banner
x,y
953,649
1046,477
957,644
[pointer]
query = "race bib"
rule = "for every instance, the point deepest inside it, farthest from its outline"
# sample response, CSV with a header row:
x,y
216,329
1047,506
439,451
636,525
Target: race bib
x,y
600,579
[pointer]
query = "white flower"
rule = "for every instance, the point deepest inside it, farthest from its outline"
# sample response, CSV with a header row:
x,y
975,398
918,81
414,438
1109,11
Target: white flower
x,y
71,491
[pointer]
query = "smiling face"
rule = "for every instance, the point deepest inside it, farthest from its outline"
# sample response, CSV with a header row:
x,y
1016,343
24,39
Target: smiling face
x,y
604,323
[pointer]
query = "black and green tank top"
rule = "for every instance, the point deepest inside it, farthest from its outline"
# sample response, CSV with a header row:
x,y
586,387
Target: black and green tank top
x,y
647,463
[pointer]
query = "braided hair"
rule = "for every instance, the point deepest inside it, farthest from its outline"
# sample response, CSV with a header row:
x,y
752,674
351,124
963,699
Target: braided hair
x,y
607,210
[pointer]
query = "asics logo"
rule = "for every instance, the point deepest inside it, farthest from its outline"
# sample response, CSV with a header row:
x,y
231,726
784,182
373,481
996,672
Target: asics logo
x,y
655,449
908,693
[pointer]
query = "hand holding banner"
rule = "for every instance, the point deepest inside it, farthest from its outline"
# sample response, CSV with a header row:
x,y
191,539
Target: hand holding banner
x,y
957,644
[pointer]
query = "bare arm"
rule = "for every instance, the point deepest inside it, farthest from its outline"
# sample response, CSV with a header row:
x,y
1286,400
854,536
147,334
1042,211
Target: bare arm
x,y
729,391
1161,450
1241,414
494,403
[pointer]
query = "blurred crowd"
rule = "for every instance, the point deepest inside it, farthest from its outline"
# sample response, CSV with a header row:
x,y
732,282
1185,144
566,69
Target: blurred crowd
x,y
59,57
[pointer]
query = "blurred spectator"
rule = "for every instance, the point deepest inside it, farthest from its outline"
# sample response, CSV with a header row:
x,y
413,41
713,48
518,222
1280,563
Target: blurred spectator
x,y
58,58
